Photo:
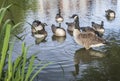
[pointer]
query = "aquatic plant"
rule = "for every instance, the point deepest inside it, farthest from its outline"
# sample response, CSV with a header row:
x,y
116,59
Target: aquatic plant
x,y
23,68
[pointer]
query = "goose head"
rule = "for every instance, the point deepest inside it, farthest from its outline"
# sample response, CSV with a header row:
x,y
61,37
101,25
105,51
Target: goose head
x,y
110,13
37,25
75,17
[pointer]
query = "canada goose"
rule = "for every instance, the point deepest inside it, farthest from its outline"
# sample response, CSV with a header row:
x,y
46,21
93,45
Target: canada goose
x,y
99,28
87,39
37,25
40,34
58,31
84,29
59,18
110,13
71,25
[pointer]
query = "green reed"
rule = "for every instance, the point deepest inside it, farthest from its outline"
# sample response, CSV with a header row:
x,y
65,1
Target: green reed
x,y
22,68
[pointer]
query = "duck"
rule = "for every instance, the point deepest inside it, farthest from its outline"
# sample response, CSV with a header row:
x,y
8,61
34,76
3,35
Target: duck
x,y
58,31
87,39
110,13
37,25
99,28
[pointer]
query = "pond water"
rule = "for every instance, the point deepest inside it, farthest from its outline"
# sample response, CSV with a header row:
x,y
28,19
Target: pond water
x,y
71,62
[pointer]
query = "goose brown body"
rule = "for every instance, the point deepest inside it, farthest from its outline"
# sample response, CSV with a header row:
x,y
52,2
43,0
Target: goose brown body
x,y
87,39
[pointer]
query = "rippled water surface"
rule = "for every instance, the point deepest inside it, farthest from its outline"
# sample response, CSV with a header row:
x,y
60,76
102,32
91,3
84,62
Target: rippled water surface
x,y
71,62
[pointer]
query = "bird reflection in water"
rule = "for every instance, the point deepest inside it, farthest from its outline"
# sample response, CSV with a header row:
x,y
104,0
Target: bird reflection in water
x,y
38,39
85,56
58,39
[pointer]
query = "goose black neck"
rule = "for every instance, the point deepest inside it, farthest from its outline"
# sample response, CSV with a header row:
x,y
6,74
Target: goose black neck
x,y
76,23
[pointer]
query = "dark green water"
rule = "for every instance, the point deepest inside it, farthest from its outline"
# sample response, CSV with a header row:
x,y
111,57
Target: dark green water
x,y
70,62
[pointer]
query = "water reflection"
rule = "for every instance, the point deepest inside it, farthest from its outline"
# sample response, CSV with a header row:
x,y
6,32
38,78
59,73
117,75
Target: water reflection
x,y
85,57
88,65
38,40
58,39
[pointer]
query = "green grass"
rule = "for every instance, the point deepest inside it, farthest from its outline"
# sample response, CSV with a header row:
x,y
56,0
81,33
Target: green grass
x,y
23,67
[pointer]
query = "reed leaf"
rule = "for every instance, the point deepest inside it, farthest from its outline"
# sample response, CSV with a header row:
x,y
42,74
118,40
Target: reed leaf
x,y
17,25
16,68
5,48
10,69
44,66
3,27
30,67
24,53
2,12
17,76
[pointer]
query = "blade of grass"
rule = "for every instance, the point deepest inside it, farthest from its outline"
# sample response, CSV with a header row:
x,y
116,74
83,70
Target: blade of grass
x,y
24,52
2,30
17,25
10,70
30,67
16,66
3,3
17,76
45,65
2,13
3,27
4,49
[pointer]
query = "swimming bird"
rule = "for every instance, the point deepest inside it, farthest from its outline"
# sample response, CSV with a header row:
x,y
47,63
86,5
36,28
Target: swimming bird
x,y
37,25
71,26
58,31
59,18
110,14
83,29
99,28
87,39
40,34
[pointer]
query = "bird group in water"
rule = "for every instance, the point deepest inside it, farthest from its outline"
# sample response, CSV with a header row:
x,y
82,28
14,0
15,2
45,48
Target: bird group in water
x,y
88,37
